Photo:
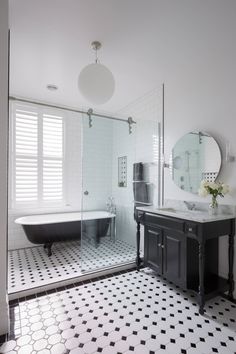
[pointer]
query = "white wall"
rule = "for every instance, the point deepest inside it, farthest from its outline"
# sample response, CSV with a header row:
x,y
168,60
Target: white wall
x,y
3,160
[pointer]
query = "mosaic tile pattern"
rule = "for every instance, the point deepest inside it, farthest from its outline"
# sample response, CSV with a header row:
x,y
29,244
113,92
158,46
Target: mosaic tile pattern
x,y
131,312
31,267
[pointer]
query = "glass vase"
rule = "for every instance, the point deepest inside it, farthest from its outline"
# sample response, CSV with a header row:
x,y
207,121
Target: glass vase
x,y
213,206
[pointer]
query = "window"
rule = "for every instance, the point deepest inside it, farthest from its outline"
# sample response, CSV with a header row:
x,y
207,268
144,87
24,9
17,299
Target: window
x,y
37,160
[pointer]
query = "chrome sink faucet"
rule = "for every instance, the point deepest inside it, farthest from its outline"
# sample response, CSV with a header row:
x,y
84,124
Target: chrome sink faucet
x,y
189,205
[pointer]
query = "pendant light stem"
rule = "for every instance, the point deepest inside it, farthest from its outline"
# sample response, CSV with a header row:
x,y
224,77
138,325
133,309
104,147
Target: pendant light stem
x,y
96,45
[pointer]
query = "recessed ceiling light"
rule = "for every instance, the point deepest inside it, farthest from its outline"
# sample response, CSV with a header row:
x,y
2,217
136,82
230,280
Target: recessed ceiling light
x,y
52,87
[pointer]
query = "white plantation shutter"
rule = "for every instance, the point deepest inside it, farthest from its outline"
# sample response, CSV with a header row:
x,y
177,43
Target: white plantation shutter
x,y
37,156
52,158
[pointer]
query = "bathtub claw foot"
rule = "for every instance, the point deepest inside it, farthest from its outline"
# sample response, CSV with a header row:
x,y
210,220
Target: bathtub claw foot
x,y
48,248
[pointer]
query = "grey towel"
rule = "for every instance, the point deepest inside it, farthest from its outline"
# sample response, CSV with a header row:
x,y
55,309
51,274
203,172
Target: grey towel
x,y
138,171
141,192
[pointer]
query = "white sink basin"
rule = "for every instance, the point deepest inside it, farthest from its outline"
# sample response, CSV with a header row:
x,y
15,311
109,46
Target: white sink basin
x,y
180,211
172,210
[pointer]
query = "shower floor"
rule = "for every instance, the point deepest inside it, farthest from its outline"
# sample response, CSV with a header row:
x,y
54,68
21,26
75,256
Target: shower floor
x,y
31,267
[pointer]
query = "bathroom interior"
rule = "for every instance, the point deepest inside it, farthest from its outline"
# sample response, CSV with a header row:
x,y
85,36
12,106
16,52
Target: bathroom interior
x,y
114,135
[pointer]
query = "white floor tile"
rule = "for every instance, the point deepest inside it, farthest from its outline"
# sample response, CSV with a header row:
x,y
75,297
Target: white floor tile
x,y
90,319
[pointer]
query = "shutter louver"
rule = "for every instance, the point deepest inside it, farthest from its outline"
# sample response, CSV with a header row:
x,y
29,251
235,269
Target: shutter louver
x,y
26,150
53,158
52,180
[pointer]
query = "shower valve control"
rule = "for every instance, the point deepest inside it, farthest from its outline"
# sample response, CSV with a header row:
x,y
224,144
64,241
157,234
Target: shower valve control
x,y
86,193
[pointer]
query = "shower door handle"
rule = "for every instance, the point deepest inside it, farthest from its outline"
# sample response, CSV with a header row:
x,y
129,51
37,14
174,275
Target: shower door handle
x,y
86,193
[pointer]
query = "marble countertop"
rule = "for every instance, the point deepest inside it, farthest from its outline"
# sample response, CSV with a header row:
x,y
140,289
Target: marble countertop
x,y
201,216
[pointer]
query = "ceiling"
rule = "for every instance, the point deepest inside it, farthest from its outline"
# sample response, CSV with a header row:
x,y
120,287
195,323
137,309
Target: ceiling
x,y
50,44
144,41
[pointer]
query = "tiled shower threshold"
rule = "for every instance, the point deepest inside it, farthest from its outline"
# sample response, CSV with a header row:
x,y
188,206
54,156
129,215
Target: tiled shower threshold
x,y
73,281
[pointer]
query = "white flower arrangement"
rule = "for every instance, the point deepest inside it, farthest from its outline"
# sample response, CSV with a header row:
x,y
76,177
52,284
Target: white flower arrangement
x,y
215,189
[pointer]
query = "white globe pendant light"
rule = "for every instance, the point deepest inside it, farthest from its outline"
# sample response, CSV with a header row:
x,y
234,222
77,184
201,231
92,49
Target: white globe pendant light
x,y
96,82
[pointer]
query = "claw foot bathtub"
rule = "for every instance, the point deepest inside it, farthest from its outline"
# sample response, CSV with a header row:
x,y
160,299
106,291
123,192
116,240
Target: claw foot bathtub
x,y
49,228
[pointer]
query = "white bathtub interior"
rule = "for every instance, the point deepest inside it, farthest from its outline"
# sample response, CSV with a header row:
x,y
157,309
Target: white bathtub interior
x,y
91,165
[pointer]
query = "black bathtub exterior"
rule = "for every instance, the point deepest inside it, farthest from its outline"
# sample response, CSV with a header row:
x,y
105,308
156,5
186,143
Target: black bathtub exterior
x,y
47,234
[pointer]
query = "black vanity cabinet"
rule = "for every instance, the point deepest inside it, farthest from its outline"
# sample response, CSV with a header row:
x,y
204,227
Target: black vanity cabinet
x,y
186,252
164,252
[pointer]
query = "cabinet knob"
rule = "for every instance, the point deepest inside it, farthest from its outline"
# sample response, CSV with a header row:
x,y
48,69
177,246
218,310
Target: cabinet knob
x,y
190,229
160,245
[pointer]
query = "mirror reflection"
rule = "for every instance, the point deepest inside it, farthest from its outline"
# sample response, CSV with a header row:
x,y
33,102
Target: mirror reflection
x,y
196,156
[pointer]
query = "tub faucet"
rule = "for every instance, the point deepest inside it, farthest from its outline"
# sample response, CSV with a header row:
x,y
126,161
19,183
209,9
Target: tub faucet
x,y
189,205
111,208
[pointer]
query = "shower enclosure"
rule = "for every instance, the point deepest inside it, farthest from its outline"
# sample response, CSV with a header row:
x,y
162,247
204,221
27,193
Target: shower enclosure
x,y
71,184
108,155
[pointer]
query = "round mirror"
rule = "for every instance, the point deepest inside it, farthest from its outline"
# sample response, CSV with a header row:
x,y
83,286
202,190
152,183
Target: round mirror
x,y
196,156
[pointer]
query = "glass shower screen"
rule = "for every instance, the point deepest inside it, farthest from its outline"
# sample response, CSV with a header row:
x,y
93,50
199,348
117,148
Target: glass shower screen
x,y
108,227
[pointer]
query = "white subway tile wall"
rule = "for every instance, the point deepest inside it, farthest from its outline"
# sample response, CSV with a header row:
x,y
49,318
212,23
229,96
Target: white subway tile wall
x,y
142,146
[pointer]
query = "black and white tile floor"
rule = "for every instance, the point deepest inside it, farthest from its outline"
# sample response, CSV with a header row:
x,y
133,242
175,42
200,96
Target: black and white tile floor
x,y
31,267
131,312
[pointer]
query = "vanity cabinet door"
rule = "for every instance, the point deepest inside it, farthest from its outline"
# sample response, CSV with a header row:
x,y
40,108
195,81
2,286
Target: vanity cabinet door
x,y
153,248
174,257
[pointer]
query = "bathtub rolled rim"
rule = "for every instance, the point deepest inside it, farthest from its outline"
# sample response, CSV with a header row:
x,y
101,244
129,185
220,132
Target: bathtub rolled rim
x,y
57,218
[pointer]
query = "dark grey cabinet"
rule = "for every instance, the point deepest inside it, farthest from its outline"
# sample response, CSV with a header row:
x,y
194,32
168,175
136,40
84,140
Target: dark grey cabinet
x,y
186,252
165,253
153,248
174,257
